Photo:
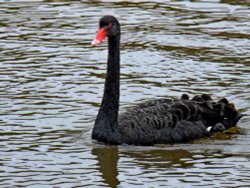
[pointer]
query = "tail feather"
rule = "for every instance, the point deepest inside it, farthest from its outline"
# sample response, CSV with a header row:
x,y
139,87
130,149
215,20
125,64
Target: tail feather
x,y
216,115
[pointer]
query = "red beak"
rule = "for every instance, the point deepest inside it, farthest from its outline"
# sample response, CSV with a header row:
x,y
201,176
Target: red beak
x,y
100,36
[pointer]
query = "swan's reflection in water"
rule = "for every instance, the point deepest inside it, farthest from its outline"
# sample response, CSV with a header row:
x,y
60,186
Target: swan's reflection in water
x,y
109,157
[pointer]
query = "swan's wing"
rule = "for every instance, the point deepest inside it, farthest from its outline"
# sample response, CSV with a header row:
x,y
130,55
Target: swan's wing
x,y
172,120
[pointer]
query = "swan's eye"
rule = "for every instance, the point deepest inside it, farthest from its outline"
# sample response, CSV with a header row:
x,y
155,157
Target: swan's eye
x,y
110,25
107,27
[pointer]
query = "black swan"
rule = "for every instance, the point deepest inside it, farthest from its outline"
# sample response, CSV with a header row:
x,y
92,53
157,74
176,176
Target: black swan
x,y
157,121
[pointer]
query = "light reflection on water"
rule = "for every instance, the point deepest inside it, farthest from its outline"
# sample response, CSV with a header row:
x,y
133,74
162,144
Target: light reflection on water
x,y
52,83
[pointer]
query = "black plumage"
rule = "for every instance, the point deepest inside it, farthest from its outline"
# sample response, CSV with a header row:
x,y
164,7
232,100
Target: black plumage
x,y
157,121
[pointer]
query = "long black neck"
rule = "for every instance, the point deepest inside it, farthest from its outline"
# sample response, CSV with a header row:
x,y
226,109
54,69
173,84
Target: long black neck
x,y
107,119
110,101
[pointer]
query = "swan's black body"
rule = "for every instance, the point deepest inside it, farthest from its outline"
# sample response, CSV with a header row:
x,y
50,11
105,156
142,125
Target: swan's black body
x,y
157,121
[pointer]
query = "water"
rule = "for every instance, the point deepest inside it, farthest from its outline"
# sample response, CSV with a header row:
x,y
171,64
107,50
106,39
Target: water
x,y
52,83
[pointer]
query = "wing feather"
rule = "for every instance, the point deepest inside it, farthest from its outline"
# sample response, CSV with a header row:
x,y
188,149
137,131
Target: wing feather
x,y
171,120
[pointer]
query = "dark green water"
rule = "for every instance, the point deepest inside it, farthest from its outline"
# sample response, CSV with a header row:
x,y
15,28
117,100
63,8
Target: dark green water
x,y
51,84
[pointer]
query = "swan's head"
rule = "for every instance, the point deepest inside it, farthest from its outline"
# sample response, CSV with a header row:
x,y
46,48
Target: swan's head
x,y
108,27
